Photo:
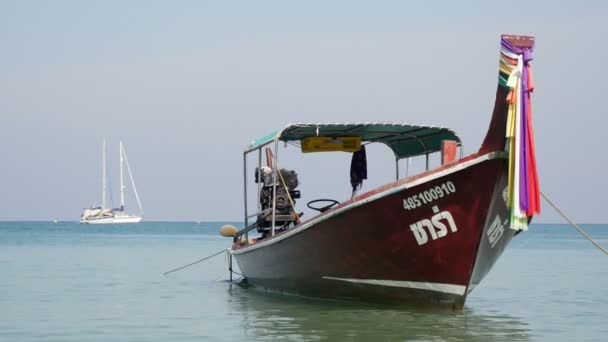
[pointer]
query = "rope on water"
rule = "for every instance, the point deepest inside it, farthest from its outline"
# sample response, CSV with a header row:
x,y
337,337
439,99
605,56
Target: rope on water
x,y
573,224
228,264
196,262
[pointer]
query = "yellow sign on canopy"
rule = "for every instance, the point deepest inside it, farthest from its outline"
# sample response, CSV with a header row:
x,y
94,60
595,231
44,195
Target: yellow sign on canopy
x,y
330,144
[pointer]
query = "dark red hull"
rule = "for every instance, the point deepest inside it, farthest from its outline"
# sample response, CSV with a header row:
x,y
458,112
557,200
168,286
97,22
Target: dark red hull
x,y
426,239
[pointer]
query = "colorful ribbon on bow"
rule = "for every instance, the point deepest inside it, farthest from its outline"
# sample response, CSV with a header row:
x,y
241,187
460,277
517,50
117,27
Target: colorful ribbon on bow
x,y
523,188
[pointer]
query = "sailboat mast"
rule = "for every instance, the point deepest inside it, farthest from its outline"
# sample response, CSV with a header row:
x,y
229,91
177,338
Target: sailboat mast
x,y
103,175
124,152
122,183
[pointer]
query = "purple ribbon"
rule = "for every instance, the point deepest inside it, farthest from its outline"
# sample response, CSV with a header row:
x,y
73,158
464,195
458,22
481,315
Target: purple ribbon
x,y
523,165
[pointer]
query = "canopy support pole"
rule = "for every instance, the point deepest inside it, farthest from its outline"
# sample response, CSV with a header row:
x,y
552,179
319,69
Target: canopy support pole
x,y
397,169
245,191
274,186
259,177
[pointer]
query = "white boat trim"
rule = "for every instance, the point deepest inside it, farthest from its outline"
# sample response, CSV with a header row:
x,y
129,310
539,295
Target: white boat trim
x,y
113,220
437,287
337,211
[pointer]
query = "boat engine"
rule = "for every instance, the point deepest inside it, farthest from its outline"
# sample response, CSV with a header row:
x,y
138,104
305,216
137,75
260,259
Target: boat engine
x,y
285,213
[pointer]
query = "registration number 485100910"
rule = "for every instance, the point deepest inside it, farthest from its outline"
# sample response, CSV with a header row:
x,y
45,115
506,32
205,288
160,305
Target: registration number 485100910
x,y
429,195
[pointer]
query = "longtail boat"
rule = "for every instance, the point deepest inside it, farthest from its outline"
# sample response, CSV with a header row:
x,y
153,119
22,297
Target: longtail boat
x,y
428,238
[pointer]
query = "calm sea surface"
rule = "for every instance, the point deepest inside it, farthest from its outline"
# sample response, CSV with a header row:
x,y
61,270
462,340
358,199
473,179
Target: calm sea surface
x,y
71,282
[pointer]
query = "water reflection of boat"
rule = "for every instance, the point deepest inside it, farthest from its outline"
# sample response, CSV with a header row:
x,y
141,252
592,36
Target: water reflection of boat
x,y
269,316
429,238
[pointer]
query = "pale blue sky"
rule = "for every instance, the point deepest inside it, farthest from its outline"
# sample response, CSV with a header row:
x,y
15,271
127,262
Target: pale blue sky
x,y
187,84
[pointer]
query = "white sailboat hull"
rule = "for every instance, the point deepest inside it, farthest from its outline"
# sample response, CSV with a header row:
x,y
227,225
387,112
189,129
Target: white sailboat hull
x,y
117,219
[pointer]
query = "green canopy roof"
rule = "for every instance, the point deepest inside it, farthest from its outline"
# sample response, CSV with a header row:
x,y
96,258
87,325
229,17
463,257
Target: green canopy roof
x,y
405,140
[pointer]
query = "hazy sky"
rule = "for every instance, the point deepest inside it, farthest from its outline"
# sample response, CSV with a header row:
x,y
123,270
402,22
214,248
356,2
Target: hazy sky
x,y
187,84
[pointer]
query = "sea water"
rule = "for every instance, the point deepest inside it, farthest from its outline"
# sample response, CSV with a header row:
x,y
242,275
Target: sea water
x,y
71,282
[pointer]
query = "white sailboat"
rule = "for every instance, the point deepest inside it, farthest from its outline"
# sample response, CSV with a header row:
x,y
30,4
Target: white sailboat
x,y
105,215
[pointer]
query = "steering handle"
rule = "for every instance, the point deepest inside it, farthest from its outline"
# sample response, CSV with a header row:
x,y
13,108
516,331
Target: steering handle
x,y
323,208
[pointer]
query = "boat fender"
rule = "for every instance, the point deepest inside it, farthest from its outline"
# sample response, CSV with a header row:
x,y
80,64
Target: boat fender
x,y
228,230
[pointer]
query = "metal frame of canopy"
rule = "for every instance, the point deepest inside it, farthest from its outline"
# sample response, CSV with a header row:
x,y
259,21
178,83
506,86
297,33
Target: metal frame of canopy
x,y
421,140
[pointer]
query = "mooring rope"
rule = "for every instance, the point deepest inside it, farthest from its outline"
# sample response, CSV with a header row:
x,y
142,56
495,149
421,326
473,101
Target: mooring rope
x,y
573,224
196,262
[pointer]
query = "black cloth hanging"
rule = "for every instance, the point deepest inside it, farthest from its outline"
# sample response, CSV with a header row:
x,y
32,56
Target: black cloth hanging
x,y
358,169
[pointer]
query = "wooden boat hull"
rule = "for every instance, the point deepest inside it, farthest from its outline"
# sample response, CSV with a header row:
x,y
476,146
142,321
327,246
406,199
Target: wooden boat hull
x,y
428,239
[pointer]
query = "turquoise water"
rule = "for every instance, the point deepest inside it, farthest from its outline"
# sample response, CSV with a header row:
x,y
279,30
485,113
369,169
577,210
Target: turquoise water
x,y
71,282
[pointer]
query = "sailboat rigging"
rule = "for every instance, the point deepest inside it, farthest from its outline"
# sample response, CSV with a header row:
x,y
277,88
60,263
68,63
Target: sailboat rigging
x,y
105,215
